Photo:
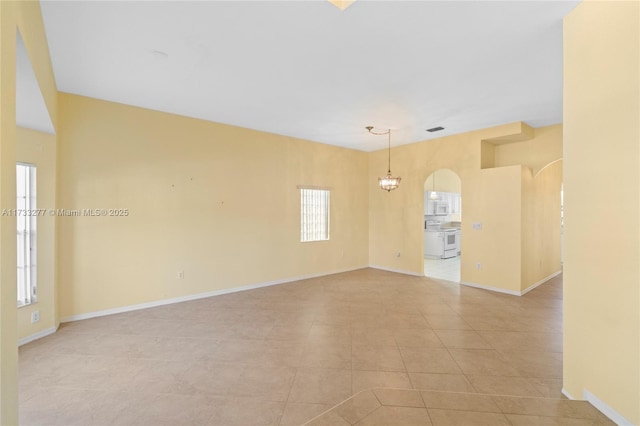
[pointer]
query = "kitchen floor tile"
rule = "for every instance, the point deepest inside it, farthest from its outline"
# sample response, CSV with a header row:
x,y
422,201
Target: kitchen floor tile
x,y
501,385
441,382
429,360
321,386
381,358
284,354
464,339
358,406
483,362
363,380
412,337
466,418
387,415
399,397
459,401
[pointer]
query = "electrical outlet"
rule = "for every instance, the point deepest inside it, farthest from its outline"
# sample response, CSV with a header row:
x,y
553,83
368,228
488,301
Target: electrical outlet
x,y
397,254
478,265
180,275
477,226
35,316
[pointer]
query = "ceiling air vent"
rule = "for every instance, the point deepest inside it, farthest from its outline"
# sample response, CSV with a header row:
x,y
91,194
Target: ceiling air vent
x,y
435,129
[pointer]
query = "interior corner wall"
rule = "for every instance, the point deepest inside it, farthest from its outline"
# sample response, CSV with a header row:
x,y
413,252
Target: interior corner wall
x,y
39,149
489,197
487,155
25,16
528,228
537,153
602,194
219,203
541,225
491,255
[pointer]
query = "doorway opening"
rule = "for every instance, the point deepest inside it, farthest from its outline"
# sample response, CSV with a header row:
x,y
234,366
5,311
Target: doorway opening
x,y
443,225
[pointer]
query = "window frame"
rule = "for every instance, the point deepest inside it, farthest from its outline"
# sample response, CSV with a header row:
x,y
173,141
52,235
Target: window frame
x,y
307,235
28,286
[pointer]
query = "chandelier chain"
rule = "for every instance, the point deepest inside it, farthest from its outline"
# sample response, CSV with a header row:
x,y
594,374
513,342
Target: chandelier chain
x,y
389,182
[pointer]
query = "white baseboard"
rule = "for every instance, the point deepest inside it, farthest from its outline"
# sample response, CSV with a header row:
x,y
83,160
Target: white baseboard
x,y
36,336
567,394
490,288
511,292
187,298
539,283
398,271
612,414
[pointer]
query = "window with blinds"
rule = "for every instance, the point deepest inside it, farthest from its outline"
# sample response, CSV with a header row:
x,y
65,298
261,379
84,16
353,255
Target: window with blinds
x,y
314,214
25,206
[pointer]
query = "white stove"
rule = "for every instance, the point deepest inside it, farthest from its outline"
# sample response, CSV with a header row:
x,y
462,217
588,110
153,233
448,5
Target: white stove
x,y
439,243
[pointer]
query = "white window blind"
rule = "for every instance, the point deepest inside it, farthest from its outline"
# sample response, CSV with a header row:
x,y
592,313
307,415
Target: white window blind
x,y
314,214
26,204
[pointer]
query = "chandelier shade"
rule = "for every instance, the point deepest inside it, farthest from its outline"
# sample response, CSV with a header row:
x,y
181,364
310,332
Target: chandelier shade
x,y
388,182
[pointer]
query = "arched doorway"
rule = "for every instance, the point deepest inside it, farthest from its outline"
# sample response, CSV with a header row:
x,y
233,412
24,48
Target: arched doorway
x,y
442,225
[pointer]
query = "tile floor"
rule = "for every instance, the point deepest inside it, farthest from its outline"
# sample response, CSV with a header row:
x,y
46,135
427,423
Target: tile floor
x,y
413,407
284,354
443,269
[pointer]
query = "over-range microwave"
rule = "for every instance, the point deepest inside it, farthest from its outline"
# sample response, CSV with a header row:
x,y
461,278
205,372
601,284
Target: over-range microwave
x,y
441,208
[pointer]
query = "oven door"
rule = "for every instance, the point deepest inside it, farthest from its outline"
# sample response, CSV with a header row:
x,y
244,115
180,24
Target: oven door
x,y
450,240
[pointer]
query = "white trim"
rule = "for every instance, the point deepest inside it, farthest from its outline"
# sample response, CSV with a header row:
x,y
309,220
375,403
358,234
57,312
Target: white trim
x,y
605,409
490,288
36,336
199,296
567,394
511,292
398,271
539,283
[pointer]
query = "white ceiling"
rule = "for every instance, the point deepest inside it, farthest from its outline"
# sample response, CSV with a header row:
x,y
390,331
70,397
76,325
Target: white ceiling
x,y
31,110
308,70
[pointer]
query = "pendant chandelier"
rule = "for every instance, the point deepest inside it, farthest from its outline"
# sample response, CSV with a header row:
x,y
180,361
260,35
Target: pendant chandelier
x,y
388,183
434,194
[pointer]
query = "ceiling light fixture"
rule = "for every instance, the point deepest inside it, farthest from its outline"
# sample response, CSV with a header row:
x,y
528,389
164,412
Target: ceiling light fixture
x,y
341,4
388,183
434,194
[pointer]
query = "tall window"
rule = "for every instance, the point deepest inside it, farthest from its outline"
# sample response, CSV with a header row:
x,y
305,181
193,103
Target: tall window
x,y
26,219
314,214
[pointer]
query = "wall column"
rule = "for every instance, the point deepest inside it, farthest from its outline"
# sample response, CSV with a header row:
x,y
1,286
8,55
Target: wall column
x,y
8,297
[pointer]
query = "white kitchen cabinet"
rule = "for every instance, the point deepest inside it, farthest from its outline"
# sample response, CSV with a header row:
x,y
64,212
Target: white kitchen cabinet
x,y
428,203
455,203
445,198
433,244
452,199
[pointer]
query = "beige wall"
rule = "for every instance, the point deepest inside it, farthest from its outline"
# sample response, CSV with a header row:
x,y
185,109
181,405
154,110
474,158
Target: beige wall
x,y
26,16
487,155
601,186
535,153
215,201
40,149
492,197
446,181
541,224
